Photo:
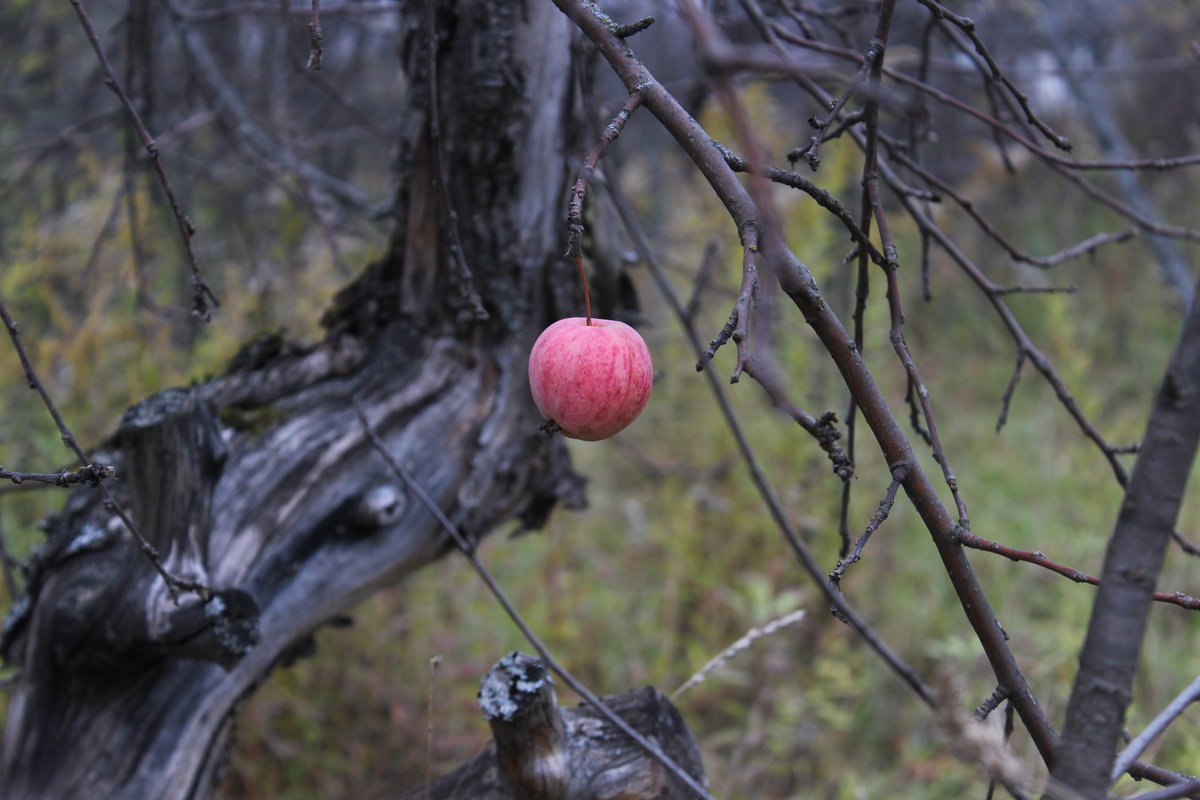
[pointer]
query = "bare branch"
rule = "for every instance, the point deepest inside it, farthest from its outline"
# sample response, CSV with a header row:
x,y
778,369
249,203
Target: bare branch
x,y
1039,559
91,474
1160,723
174,584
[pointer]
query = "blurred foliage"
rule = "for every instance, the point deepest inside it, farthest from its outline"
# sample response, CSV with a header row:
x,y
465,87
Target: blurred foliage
x,y
675,558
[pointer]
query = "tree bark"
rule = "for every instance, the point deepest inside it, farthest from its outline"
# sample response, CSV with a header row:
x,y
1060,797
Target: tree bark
x,y
1134,558
261,484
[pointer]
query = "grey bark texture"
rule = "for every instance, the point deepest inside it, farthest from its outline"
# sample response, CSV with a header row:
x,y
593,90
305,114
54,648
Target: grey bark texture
x,y
1134,558
262,485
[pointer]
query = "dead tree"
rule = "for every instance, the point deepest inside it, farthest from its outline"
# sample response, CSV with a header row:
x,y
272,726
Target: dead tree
x,y
261,484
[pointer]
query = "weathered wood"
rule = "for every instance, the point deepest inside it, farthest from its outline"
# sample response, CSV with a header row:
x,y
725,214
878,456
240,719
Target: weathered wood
x,y
261,483
546,753
517,699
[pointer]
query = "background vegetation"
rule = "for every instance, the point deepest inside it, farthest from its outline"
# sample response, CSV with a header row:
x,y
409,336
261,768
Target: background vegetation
x,y
674,558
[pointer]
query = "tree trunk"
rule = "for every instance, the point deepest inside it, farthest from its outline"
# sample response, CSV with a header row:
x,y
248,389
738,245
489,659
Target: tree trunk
x,y
262,485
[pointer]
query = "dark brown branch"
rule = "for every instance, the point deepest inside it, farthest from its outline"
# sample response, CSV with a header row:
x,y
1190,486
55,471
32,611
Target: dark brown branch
x,y
1006,401
824,199
746,299
1003,290
1023,342
1187,545
798,283
708,263
1079,576
824,428
872,207
1006,130
781,519
1188,788
943,188
990,704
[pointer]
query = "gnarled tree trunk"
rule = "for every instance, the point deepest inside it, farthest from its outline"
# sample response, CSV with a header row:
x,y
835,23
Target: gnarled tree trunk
x,y
262,484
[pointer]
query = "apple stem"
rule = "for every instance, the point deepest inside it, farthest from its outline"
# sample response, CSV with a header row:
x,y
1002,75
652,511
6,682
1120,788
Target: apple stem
x,y
587,299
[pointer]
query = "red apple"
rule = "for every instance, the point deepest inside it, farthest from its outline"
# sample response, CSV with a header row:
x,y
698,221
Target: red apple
x,y
593,380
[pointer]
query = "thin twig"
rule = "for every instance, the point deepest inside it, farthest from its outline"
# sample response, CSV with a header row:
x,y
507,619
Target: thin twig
x,y
579,190
174,584
968,29
990,704
1160,723
877,519
202,295
90,474
1011,389
708,263
967,539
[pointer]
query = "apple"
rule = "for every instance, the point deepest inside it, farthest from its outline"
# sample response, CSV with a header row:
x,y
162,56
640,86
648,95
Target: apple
x,y
591,377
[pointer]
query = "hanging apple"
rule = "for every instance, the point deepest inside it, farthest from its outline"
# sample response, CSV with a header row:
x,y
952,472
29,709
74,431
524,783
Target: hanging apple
x,y
590,376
